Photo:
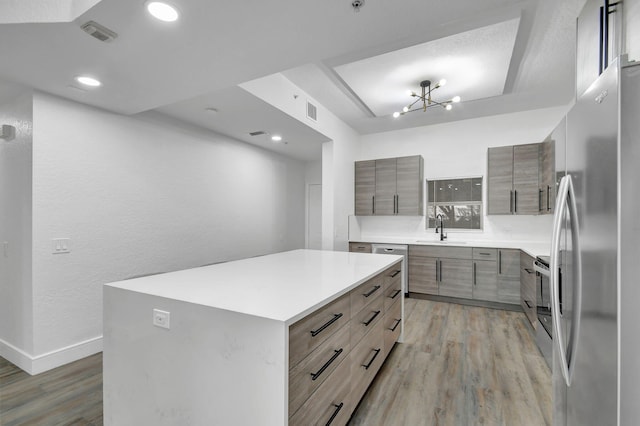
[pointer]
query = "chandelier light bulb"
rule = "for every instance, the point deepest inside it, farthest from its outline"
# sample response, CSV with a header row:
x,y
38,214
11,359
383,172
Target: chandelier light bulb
x,y
456,99
442,82
448,107
396,114
405,109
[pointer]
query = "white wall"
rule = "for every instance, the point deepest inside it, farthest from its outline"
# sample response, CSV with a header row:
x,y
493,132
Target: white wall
x,y
459,149
16,316
139,195
338,155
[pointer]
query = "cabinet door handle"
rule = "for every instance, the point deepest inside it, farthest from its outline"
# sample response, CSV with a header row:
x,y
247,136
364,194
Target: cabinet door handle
x,y
335,318
367,365
539,199
335,355
375,314
529,271
395,273
395,294
397,204
398,321
528,304
510,201
515,201
373,290
373,204
335,413
474,273
437,271
499,261
548,198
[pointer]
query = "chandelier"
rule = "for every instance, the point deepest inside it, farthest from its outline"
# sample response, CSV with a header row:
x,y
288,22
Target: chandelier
x,y
425,101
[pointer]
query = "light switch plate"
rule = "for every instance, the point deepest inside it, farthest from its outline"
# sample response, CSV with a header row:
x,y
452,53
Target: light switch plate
x,y
61,245
161,318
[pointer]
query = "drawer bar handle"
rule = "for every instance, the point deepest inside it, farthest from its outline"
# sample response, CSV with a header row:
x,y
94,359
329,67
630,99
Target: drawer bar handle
x,y
398,321
395,273
484,253
528,304
366,324
396,293
366,366
336,354
335,318
529,271
335,413
373,290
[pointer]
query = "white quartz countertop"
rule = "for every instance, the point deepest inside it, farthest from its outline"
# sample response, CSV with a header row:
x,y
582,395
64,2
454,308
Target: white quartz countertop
x,y
283,287
532,248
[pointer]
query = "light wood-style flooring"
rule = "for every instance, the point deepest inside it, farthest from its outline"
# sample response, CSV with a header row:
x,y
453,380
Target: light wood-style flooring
x,y
459,366
67,395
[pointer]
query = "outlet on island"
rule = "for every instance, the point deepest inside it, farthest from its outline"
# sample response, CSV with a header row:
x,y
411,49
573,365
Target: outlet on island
x,y
161,319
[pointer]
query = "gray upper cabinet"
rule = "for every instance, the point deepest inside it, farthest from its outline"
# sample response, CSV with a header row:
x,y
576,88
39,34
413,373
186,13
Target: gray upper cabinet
x,y
526,199
514,179
500,181
389,186
365,187
547,177
409,177
385,201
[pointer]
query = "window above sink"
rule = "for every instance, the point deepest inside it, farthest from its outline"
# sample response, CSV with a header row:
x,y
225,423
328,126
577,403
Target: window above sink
x,y
458,200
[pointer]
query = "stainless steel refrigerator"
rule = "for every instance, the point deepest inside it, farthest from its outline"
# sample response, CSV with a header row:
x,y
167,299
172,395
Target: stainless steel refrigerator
x,y
595,257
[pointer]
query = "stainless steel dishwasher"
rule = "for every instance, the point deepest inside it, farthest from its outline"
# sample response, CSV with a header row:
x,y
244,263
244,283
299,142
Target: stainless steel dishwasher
x,y
399,250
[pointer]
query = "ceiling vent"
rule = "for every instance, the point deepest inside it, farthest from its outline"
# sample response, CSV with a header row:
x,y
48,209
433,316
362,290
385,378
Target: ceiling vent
x,y
312,111
96,30
258,133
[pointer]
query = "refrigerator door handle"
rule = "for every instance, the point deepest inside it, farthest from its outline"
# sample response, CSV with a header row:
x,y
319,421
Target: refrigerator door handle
x,y
566,199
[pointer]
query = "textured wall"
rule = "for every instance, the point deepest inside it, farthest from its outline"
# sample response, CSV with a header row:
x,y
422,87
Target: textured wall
x,y
16,320
139,195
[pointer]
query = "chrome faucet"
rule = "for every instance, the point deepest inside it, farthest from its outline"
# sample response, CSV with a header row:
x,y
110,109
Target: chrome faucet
x,y
440,218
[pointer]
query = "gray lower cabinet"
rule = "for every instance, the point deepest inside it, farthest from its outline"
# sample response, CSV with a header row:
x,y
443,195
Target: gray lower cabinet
x,y
358,247
423,274
509,276
528,277
485,274
455,278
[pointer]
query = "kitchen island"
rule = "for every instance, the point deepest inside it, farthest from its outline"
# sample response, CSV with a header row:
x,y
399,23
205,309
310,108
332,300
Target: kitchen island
x,y
289,338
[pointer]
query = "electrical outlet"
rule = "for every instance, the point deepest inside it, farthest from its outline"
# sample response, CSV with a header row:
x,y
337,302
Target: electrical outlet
x,y
61,245
161,319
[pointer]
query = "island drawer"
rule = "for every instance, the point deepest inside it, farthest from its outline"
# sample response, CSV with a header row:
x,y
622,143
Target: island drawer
x,y
332,403
367,357
392,322
308,333
480,253
392,277
366,293
366,319
311,372
392,292
442,252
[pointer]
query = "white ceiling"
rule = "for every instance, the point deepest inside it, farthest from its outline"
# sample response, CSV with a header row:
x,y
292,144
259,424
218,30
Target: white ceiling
x,y
179,68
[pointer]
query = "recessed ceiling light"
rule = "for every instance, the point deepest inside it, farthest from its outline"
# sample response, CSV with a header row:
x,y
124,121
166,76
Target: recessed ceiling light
x,y
276,138
88,81
163,11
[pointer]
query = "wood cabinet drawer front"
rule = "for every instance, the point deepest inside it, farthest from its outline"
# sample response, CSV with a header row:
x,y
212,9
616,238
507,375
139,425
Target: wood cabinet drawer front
x,y
485,253
392,322
392,294
366,359
308,333
360,247
311,372
366,293
366,320
392,277
332,403
443,252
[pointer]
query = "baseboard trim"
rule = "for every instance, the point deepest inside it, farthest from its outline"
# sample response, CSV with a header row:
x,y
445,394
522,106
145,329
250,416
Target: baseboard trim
x,y
50,360
468,302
